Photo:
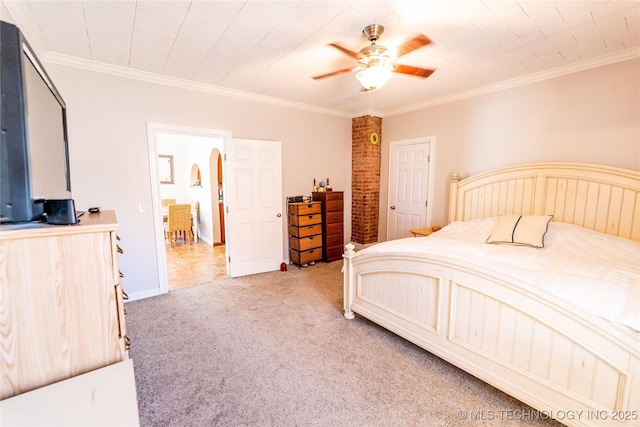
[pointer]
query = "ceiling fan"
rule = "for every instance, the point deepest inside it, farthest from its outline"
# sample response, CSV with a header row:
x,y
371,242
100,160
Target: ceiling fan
x,y
374,65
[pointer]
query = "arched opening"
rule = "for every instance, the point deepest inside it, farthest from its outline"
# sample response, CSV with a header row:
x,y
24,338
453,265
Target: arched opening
x,y
196,178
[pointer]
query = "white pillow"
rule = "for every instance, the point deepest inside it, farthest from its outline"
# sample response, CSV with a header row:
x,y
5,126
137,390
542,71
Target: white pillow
x,y
527,230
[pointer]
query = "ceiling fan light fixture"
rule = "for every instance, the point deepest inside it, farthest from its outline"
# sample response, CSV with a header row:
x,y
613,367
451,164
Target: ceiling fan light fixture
x,y
372,78
374,66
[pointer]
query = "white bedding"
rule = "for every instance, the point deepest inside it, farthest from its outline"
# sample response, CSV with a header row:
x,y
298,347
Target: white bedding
x,y
591,270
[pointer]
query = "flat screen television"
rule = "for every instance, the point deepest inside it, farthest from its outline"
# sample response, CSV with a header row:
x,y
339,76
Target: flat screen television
x,y
34,156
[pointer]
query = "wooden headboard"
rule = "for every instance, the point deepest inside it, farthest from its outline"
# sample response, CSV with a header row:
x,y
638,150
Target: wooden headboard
x,y
601,198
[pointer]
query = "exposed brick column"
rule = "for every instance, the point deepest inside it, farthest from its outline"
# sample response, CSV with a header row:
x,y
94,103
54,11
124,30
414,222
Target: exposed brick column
x,y
365,179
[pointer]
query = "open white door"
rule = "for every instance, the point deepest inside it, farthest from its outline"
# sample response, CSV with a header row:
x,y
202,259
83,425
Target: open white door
x,y
408,187
253,206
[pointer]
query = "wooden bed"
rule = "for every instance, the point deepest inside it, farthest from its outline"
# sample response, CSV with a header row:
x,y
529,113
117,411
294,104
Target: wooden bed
x,y
577,367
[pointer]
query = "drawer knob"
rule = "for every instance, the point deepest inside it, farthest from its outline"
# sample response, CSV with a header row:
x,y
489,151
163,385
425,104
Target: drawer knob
x,y
279,215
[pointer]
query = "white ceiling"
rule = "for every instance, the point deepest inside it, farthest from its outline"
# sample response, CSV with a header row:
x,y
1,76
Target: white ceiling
x,y
270,49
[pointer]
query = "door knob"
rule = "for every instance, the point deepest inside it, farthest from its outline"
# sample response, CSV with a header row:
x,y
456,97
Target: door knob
x,y
279,215
393,207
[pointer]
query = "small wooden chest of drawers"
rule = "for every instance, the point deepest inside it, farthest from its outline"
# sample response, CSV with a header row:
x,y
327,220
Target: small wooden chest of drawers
x,y
305,232
332,224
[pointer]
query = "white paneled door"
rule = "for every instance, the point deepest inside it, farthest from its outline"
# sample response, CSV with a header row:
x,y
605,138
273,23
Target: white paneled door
x,y
253,204
408,184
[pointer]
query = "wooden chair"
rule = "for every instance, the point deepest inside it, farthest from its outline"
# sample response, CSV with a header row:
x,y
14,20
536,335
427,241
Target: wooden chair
x,y
165,203
179,219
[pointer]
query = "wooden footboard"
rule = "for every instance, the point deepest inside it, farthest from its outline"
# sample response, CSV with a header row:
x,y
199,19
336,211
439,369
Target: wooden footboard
x,y
578,368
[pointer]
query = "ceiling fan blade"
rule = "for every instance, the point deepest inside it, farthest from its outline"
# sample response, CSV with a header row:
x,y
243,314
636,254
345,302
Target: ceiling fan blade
x,y
413,44
333,73
414,71
345,50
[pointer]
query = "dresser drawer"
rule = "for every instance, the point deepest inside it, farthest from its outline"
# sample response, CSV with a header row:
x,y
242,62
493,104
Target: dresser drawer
x,y
334,217
305,208
335,240
332,195
334,205
334,253
302,220
304,243
305,257
305,231
335,229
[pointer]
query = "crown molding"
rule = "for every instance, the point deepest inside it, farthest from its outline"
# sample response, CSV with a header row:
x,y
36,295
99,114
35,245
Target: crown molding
x,y
118,71
146,76
620,56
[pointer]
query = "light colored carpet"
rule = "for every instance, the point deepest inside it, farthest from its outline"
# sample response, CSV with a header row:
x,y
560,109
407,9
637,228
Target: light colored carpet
x,y
274,349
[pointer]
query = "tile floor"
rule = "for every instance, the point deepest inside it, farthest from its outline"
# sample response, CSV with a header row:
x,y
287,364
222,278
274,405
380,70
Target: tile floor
x,y
189,265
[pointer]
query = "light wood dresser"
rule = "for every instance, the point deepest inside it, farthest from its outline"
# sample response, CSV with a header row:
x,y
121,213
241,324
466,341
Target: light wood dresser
x,y
61,302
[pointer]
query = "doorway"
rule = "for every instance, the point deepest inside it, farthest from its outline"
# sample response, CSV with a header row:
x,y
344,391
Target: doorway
x,y
189,190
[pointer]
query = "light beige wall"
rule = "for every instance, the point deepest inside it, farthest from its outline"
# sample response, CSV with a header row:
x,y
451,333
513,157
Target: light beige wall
x,y
592,117
109,157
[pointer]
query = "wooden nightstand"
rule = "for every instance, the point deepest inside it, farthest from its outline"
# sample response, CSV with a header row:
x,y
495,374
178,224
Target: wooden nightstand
x,y
424,231
421,231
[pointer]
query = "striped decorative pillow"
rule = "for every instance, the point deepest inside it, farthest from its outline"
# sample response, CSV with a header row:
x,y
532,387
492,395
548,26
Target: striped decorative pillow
x,y
526,230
